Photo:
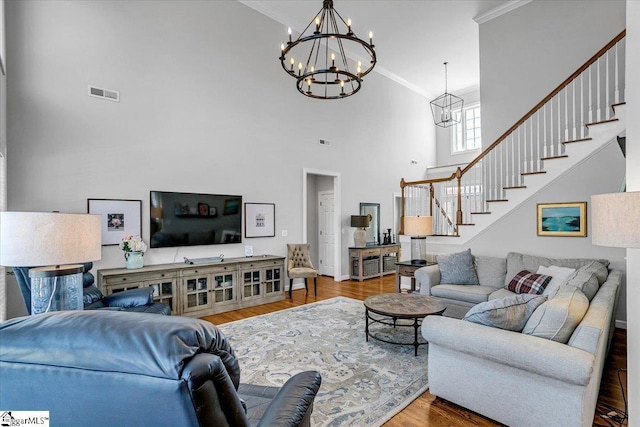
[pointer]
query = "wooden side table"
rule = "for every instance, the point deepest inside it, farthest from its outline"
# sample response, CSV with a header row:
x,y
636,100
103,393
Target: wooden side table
x,y
407,269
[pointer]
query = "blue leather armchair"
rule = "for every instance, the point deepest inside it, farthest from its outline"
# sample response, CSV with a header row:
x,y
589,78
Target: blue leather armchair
x,y
139,300
140,370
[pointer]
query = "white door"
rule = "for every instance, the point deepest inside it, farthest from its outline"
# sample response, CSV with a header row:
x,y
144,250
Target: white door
x,y
326,237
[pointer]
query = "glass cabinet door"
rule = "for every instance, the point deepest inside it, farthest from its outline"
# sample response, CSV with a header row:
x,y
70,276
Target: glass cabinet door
x,y
196,293
273,280
164,291
223,288
250,284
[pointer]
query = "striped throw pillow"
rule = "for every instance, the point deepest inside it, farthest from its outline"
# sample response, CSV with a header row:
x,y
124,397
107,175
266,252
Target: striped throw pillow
x,y
526,282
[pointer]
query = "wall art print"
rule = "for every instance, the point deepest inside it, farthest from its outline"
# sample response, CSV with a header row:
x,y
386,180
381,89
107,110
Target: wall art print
x,y
259,219
119,218
562,219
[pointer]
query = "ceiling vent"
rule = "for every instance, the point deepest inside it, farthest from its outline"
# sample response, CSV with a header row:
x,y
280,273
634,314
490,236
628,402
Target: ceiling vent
x,y
111,95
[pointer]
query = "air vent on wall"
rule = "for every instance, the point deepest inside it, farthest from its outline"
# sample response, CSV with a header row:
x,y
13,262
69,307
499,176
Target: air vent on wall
x,y
111,95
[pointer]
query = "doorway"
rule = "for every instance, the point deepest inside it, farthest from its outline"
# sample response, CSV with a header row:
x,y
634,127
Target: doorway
x,y
321,224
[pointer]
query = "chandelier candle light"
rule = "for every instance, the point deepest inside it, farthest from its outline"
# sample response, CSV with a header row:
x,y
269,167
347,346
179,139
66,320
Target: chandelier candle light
x,y
445,106
322,70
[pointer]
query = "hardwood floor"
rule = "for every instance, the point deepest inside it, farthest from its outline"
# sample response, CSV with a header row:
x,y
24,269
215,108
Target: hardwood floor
x,y
428,410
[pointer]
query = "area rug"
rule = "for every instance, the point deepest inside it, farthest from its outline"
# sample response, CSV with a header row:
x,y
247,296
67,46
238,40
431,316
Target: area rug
x,y
363,383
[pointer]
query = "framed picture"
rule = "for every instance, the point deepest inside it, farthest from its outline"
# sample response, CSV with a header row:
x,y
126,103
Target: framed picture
x,y
203,209
562,219
259,220
119,218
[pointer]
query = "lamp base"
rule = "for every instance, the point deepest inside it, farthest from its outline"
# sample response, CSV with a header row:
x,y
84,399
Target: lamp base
x,y
360,238
418,250
56,288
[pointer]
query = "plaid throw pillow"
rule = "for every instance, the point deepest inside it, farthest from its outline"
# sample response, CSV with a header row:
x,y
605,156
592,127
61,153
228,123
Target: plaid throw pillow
x,y
526,282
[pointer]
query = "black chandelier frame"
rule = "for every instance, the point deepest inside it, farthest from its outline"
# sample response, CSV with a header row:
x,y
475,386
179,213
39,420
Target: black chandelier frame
x,y
308,75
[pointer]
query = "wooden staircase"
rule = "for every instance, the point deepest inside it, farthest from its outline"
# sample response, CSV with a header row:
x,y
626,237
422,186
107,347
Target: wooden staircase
x,y
575,121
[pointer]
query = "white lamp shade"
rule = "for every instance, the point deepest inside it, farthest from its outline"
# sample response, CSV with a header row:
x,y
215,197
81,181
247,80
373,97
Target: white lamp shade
x,y
418,225
615,220
29,239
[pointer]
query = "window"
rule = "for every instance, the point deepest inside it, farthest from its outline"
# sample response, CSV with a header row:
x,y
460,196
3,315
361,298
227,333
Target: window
x,y
466,134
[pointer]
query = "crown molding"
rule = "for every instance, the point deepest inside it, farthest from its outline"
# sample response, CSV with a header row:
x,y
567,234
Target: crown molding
x,y
499,11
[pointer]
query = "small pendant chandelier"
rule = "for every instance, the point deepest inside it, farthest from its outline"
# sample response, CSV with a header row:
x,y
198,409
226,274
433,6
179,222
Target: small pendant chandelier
x,y
445,107
317,58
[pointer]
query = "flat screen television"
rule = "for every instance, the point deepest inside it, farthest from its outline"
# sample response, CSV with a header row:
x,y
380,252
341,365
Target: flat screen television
x,y
190,219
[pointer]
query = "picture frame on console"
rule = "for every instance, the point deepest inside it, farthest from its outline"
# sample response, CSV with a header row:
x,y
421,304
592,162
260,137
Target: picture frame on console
x,y
119,218
562,219
259,220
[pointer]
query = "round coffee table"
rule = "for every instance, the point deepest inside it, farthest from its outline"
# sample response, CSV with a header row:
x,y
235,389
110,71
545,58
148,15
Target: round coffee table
x,y
401,306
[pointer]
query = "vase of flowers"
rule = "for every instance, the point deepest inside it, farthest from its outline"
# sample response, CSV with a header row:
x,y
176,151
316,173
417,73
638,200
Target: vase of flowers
x,y
133,247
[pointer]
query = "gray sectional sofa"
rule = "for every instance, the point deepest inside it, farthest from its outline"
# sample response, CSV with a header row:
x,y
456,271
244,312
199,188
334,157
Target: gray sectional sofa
x,y
547,374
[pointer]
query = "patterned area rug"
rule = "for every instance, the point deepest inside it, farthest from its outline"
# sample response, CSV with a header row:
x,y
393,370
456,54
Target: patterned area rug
x,y
363,383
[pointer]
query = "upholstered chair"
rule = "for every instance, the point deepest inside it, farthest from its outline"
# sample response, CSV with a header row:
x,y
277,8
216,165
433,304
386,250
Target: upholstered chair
x,y
300,266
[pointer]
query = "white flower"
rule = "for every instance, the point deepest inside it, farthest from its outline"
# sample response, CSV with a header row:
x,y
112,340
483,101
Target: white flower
x,y
133,244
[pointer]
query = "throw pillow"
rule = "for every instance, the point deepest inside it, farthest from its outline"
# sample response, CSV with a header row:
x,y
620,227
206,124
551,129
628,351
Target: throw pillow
x,y
586,281
457,269
518,262
526,282
599,269
510,313
557,318
491,270
559,277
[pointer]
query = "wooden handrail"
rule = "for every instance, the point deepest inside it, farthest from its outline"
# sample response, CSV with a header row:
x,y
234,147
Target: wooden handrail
x,y
524,118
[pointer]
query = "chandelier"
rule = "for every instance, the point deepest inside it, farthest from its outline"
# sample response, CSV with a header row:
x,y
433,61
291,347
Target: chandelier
x,y
445,107
317,58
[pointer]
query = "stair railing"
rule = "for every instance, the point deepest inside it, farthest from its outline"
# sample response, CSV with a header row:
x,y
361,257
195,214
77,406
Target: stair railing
x,y
585,97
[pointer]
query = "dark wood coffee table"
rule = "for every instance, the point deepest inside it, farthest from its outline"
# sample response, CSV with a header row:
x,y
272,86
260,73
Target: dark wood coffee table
x,y
401,306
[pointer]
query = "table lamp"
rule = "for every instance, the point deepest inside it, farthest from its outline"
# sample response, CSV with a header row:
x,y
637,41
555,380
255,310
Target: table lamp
x,y
418,227
58,241
615,220
360,222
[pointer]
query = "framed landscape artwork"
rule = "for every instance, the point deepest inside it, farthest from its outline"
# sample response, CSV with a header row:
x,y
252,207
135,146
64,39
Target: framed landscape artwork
x,y
259,219
562,219
119,218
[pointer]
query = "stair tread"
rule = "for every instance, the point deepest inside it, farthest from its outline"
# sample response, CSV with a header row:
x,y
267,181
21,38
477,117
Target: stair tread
x,y
466,224
480,213
445,235
514,187
497,200
554,157
601,122
533,173
577,140
618,104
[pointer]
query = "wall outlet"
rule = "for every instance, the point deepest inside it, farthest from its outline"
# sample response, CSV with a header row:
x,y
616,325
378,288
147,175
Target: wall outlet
x,y
325,142
285,233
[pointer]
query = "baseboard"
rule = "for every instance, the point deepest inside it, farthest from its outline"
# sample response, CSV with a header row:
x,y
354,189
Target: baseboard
x,y
345,277
622,324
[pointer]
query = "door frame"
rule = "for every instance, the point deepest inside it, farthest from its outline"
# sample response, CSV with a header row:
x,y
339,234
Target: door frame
x,y
337,266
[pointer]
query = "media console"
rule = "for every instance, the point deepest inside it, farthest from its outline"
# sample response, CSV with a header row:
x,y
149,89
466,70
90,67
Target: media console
x,y
204,289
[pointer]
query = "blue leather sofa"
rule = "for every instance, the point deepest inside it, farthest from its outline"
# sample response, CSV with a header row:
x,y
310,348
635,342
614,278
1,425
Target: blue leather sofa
x,y
117,368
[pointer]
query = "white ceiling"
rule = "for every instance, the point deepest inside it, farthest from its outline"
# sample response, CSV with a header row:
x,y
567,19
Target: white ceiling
x,y
413,38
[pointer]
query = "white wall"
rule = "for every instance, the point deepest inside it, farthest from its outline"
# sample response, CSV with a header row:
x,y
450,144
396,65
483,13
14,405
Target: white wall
x,y
205,107
633,184
528,52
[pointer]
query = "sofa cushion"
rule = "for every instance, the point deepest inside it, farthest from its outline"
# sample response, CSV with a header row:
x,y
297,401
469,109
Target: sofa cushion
x,y
517,262
559,277
471,294
586,281
501,293
558,317
509,313
526,282
600,270
491,270
457,268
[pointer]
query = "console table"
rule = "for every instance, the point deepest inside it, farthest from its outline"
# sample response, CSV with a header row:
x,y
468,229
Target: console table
x,y
204,289
372,261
